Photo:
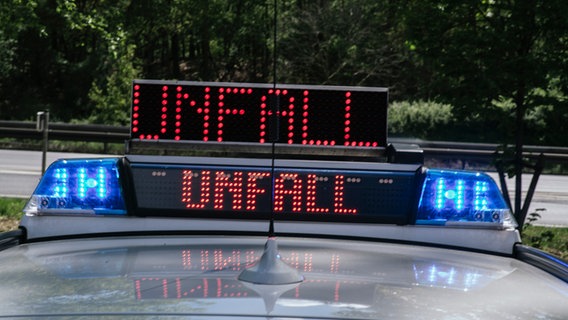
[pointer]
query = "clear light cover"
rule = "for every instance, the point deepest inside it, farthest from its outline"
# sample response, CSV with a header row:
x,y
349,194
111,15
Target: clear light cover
x,y
79,186
462,198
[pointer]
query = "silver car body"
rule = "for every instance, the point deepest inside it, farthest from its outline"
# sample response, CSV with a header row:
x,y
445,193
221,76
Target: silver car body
x,y
198,276
77,259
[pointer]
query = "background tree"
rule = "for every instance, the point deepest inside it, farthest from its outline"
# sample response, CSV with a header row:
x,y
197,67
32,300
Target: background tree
x,y
215,40
17,18
352,42
474,53
485,58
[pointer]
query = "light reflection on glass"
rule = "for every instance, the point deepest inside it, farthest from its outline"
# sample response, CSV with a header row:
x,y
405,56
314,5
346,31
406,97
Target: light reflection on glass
x,y
451,276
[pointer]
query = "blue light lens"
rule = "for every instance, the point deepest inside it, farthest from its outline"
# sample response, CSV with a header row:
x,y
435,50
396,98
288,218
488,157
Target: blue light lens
x,y
76,186
454,197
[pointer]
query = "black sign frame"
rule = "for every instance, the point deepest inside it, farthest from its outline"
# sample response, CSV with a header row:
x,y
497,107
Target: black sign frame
x,y
259,113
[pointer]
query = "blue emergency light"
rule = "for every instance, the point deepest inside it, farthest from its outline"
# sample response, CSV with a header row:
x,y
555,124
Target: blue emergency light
x,y
460,197
82,186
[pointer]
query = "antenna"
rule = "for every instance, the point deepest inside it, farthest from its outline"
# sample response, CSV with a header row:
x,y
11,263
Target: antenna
x,y
270,269
271,233
274,119
275,44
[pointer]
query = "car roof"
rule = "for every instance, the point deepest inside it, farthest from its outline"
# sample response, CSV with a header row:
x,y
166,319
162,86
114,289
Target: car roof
x,y
198,275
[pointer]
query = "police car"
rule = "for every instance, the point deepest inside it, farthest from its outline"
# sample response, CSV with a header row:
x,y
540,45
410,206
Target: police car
x,y
270,202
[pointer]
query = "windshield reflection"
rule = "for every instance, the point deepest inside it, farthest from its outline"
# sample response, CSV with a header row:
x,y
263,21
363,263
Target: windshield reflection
x,y
202,272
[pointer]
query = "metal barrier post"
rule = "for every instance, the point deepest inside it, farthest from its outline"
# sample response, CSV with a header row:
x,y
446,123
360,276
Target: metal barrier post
x,y
42,125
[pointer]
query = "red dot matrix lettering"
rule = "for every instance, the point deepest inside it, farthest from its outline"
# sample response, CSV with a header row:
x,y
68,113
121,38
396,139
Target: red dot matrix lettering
x,y
205,188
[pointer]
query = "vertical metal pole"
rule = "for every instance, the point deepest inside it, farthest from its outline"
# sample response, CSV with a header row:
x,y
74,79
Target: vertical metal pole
x,y
45,128
538,167
519,161
503,182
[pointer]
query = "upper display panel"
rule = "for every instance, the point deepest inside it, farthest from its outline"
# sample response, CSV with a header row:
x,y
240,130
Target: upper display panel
x,y
261,113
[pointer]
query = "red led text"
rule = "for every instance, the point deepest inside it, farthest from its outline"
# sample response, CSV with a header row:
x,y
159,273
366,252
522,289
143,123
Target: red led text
x,y
246,114
244,191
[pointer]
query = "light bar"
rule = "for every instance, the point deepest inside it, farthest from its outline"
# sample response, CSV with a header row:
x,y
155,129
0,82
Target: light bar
x,y
79,186
447,198
462,198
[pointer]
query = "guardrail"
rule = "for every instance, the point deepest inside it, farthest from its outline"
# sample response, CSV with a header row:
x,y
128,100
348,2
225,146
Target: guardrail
x,y
65,131
465,150
439,150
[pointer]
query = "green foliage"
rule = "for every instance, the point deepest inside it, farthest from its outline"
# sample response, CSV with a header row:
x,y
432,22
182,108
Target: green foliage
x,y
355,42
109,93
552,240
11,207
472,53
533,217
7,54
420,119
16,17
549,118
87,147
486,59
202,40
111,99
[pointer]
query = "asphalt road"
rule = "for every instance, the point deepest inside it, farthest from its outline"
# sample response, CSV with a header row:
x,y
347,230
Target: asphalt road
x,y
20,172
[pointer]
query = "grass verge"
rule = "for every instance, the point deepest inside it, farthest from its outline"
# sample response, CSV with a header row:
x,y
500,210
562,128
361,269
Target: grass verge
x,y
552,240
10,213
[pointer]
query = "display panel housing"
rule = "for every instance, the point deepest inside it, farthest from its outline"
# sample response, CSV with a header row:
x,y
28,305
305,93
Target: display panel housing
x,y
260,113
280,192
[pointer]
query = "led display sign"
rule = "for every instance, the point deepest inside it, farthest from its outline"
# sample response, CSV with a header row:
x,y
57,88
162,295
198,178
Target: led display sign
x,y
238,191
260,113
